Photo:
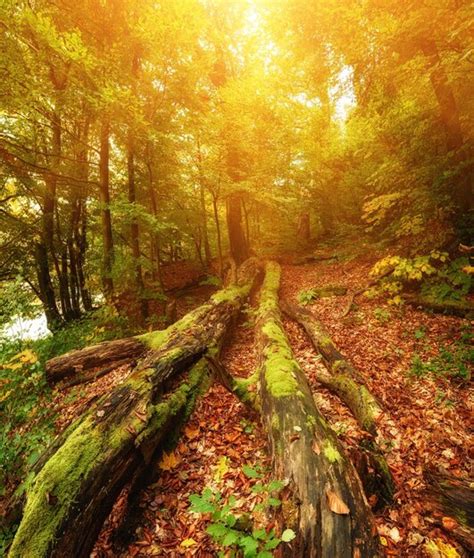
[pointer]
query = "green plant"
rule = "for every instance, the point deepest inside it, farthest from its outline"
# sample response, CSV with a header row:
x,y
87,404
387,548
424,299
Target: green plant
x,y
236,532
212,280
381,315
453,362
305,297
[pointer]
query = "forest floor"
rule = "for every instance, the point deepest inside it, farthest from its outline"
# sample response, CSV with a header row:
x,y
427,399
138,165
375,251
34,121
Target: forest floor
x,y
426,419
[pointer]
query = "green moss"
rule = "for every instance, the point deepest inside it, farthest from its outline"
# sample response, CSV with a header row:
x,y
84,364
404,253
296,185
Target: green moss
x,y
275,422
331,452
230,294
59,480
311,421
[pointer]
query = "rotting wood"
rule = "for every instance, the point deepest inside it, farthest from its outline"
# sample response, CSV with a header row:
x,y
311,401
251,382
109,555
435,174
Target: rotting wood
x,y
120,434
324,502
453,500
348,384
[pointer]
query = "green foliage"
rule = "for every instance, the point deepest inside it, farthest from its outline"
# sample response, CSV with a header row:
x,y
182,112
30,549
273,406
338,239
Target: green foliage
x,y
454,362
212,280
17,300
235,532
382,315
433,275
23,403
305,297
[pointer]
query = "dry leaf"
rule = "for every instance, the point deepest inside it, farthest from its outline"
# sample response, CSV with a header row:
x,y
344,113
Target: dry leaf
x,y
316,448
336,505
169,461
191,432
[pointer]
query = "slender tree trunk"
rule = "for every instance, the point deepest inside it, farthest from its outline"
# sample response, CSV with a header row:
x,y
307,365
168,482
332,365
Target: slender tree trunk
x,y
104,194
219,235
134,230
155,238
304,230
53,317
205,236
239,248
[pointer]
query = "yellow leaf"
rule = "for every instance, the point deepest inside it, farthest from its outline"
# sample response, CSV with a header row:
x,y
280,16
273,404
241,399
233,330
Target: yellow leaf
x,y
187,543
221,468
169,461
383,541
438,549
468,269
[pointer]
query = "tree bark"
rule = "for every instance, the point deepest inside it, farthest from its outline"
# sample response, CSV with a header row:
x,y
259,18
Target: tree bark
x,y
53,317
462,309
346,382
453,498
104,195
134,230
81,361
115,441
304,230
239,247
324,501
219,236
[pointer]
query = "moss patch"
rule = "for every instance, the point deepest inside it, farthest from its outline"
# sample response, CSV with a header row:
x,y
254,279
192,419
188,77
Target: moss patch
x,y
59,482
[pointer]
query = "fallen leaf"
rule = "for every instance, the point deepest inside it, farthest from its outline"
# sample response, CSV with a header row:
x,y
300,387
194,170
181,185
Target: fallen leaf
x,y
336,505
187,543
449,523
191,432
169,461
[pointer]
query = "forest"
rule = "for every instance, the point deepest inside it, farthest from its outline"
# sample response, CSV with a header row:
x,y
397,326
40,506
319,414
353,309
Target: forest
x,y
236,278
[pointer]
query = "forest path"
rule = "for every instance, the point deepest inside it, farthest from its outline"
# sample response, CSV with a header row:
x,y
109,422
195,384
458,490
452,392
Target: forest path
x,y
425,421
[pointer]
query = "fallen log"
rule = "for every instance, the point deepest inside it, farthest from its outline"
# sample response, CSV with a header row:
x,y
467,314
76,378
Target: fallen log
x,y
370,284
462,309
80,361
453,501
113,443
346,382
324,502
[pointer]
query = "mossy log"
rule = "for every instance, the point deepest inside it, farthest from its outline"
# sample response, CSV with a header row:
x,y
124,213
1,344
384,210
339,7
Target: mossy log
x,y
329,290
113,443
346,382
324,502
453,501
462,309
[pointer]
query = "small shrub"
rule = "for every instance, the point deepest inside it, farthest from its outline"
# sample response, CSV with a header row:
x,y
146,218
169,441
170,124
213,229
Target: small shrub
x,y
306,297
381,315
236,532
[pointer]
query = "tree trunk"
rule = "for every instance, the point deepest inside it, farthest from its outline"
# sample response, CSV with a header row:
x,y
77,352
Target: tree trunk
x,y
81,361
219,236
304,231
134,231
324,501
53,317
462,309
450,118
104,195
207,248
239,248
344,380
326,506
116,440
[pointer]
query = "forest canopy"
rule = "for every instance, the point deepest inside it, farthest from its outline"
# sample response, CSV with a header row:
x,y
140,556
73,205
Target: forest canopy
x,y
133,131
